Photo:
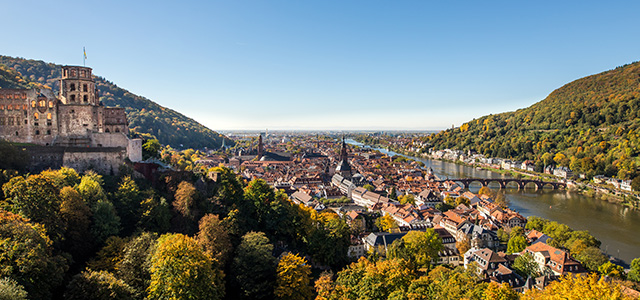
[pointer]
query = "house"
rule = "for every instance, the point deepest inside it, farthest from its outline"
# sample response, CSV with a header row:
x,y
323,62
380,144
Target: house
x,y
478,236
428,198
302,198
380,241
556,260
625,185
563,172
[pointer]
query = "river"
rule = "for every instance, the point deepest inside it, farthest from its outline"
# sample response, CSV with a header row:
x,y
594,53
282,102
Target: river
x,y
615,225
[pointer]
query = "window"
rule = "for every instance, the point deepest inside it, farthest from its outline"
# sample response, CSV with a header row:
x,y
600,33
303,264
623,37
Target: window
x,y
50,104
33,103
10,121
48,116
48,132
36,116
24,107
117,129
85,99
2,120
10,107
84,88
72,87
42,103
73,98
37,132
107,130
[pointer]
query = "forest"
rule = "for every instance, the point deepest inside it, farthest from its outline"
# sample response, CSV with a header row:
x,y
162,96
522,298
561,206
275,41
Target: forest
x,y
184,235
589,125
145,116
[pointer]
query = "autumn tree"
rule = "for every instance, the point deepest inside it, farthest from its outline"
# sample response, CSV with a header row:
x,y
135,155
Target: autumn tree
x,y
186,200
90,187
214,239
517,240
386,223
27,256
180,269
37,198
98,285
156,214
419,248
495,291
11,290
293,278
253,269
526,266
367,280
463,244
589,287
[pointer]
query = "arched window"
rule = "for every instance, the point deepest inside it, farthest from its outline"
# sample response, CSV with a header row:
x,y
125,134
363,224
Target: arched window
x,y
107,130
42,103
73,98
36,116
33,103
72,87
117,129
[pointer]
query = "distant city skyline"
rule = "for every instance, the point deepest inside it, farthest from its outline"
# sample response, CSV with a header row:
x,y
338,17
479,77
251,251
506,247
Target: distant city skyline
x,y
330,65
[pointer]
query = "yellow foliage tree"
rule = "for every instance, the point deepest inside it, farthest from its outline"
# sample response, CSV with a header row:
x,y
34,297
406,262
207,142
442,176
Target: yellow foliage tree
x,y
293,280
589,287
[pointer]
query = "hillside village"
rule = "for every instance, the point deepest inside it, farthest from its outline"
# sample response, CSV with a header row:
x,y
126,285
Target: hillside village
x,y
367,187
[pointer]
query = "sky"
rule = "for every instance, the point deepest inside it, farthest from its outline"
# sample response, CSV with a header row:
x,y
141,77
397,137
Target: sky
x,y
269,64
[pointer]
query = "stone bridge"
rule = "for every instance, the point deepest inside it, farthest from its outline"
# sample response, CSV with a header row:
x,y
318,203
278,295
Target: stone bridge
x,y
521,183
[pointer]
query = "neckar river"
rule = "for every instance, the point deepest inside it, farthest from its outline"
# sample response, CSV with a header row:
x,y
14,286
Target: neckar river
x,y
616,226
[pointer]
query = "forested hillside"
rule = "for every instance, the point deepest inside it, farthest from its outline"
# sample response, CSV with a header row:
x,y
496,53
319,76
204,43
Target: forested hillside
x,y
145,116
590,125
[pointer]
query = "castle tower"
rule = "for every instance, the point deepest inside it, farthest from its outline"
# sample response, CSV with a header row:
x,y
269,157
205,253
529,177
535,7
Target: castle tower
x,y
78,87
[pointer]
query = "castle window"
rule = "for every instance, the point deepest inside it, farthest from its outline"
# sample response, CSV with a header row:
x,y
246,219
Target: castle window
x,y
117,129
81,73
33,103
10,121
73,73
24,106
37,132
73,98
84,88
10,106
107,130
42,103
48,122
2,121
24,96
2,107
72,87
16,133
48,116
49,132
85,99
36,116
25,121
50,104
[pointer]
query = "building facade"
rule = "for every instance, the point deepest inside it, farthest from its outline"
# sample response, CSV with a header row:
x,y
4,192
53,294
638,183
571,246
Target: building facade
x,y
73,121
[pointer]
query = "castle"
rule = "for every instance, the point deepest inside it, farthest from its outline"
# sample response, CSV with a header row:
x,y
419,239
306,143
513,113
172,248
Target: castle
x,y
71,129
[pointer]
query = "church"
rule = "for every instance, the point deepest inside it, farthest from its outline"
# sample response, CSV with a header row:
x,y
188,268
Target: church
x,y
72,129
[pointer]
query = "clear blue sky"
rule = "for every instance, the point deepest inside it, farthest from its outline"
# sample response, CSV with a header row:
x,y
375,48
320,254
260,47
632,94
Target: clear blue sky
x,y
330,64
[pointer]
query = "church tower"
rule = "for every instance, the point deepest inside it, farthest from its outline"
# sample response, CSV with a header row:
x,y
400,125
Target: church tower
x,y
260,146
343,168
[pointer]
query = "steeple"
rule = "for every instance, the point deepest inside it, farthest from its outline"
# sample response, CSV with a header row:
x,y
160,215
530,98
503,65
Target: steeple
x,y
343,167
260,149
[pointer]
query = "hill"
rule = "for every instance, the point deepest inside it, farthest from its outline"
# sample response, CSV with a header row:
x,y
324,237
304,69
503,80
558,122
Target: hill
x,y
590,125
145,116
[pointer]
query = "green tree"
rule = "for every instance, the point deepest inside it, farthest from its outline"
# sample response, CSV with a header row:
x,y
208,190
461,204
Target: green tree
x,y
90,187
495,291
253,269
517,241
592,258
421,248
156,214
634,270
106,221
37,198
134,266
77,219
526,266
293,278
27,256
408,198
151,148
98,285
180,269
386,223
369,187
127,203
612,270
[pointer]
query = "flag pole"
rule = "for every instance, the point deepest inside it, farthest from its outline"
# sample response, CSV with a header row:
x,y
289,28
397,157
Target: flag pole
x,y
84,59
